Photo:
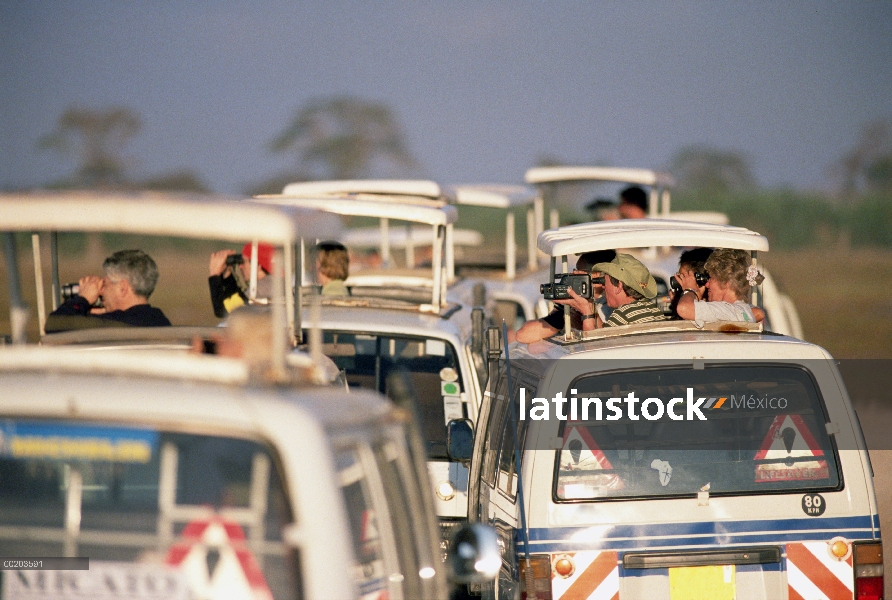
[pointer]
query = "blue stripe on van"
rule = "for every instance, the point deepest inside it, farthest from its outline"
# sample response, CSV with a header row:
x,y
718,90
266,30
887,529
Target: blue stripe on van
x,y
702,534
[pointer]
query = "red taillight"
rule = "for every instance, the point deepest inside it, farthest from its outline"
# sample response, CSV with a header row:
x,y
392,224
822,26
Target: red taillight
x,y
869,588
539,577
868,565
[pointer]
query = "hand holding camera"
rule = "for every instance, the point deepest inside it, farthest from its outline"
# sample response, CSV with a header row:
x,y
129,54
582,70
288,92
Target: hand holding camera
x,y
581,284
223,260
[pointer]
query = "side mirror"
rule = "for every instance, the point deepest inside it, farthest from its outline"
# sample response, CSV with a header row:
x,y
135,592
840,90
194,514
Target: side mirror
x,y
474,554
459,440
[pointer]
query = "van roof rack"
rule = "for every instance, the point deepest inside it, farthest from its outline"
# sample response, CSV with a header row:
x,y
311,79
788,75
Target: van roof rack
x,y
184,215
659,183
646,233
386,200
391,187
155,213
561,242
616,174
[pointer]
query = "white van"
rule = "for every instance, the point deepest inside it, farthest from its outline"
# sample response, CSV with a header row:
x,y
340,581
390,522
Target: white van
x,y
715,462
401,320
152,475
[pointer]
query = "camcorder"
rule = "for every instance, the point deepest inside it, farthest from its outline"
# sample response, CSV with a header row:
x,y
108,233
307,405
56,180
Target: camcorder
x,y
70,290
700,278
581,284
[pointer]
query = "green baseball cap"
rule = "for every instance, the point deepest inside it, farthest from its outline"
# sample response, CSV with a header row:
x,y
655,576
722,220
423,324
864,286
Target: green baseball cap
x,y
632,273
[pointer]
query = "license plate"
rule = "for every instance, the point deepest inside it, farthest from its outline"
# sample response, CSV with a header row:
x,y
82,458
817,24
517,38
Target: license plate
x,y
713,582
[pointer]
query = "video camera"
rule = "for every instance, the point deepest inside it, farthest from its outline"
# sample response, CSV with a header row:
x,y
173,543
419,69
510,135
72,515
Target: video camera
x,y
700,278
581,284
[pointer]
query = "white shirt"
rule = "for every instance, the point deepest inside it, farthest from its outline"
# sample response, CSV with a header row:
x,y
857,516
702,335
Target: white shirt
x,y
709,312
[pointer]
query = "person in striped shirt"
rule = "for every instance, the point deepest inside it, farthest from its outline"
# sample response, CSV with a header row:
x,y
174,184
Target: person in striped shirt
x,y
630,290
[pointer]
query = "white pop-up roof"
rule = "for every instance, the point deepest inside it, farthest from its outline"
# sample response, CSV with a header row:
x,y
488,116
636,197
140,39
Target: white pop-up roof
x,y
385,200
494,196
659,183
560,242
381,207
392,187
162,214
646,177
153,213
646,233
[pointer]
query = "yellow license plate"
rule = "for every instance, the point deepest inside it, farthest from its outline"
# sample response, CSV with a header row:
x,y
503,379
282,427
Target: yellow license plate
x,y
713,582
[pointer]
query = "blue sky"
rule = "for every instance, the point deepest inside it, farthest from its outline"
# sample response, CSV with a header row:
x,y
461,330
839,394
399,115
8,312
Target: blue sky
x,y
482,89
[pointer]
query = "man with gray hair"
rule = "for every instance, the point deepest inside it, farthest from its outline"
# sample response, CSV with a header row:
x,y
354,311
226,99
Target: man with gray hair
x,y
130,278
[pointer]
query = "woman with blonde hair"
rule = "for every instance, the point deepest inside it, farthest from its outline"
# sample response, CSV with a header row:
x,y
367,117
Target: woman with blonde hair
x,y
731,277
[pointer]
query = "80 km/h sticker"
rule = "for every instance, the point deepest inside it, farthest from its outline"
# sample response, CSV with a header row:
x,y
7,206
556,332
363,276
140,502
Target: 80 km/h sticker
x,y
813,505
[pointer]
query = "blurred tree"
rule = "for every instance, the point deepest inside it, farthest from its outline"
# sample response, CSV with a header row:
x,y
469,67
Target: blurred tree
x,y
96,140
178,181
706,169
879,173
345,138
867,166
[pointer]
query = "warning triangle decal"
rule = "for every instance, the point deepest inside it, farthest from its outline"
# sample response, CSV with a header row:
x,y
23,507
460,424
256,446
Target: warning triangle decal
x,y
581,461
786,449
580,452
217,562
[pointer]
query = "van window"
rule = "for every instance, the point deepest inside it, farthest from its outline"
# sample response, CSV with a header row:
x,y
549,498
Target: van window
x,y
142,503
501,437
370,569
387,522
431,371
767,435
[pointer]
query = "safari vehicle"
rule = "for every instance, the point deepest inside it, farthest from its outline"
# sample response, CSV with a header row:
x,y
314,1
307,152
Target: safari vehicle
x,y
511,295
400,332
722,462
168,219
178,476
663,261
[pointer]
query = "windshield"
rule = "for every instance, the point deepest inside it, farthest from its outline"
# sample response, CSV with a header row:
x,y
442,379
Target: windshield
x,y
764,432
146,506
421,374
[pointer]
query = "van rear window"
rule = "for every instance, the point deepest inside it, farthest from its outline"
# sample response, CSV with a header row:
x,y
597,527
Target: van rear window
x,y
158,513
765,431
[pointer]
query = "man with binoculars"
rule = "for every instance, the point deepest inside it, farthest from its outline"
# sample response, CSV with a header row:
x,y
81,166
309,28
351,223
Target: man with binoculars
x,y
130,278
228,273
